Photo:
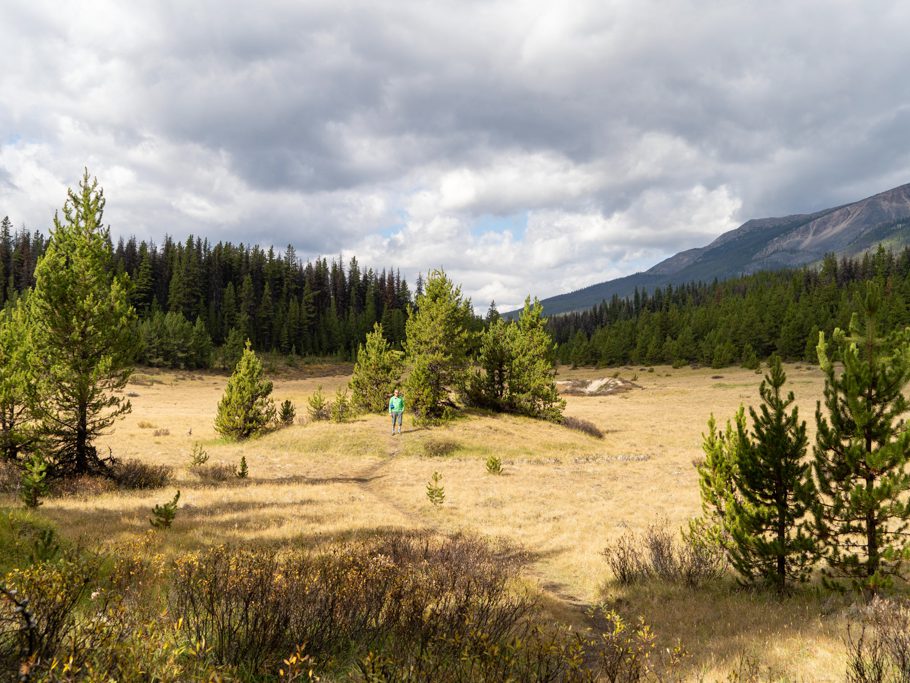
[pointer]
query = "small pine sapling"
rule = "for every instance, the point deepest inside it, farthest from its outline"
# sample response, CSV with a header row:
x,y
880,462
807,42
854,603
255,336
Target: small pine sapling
x,y
45,547
436,493
494,465
318,406
246,408
199,456
287,413
341,406
165,513
242,470
33,486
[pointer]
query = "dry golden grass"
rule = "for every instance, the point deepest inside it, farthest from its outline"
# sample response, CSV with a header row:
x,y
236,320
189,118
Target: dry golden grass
x,y
562,496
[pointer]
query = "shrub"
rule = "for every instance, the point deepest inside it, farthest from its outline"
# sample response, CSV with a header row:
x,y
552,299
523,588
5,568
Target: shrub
x,y
657,553
242,470
215,473
318,407
439,448
51,592
165,513
880,651
135,474
287,413
581,425
494,465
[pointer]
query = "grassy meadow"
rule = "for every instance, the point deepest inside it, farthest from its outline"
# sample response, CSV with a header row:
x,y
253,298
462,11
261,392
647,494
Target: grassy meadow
x,y
562,497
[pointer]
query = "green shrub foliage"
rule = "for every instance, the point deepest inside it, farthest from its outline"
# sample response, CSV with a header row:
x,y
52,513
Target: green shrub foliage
x,y
246,409
862,449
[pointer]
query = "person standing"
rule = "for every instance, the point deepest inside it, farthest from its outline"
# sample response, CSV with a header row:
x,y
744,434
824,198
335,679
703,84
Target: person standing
x,y
396,408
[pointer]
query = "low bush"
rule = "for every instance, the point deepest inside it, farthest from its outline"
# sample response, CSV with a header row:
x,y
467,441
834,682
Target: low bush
x,y
878,648
439,448
216,473
581,425
135,474
399,608
660,553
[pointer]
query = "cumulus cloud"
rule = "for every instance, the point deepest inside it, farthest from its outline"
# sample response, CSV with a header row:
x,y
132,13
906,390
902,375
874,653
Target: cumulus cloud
x,y
525,146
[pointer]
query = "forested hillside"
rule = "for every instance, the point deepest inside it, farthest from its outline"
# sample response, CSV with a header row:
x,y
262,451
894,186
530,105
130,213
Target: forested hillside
x,y
193,295
734,321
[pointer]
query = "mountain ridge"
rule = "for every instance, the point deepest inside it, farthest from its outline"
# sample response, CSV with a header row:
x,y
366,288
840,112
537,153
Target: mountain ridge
x,y
765,244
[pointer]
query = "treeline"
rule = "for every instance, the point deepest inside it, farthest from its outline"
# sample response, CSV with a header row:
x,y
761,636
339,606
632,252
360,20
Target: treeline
x,y
193,296
735,321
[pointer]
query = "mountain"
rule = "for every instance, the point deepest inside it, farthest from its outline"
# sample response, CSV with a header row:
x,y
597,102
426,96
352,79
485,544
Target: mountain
x,y
766,244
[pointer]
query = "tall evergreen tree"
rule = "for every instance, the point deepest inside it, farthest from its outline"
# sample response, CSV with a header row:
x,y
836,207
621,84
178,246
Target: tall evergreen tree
x,y
862,449
82,333
769,519
436,346
377,372
532,372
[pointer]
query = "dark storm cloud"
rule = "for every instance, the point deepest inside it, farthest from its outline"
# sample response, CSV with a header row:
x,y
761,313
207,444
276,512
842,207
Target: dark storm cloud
x,y
630,129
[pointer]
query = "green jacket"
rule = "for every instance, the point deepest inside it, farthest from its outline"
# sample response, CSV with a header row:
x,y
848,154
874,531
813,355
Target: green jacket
x,y
396,404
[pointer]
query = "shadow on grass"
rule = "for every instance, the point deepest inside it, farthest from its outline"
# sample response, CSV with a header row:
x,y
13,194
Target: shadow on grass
x,y
728,627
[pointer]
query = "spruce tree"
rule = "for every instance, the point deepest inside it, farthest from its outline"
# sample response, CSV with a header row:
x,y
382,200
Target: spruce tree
x,y
246,409
770,516
436,345
862,448
82,333
376,373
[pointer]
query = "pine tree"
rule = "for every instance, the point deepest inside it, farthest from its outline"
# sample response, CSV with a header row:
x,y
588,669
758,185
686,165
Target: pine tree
x,y
436,345
246,408
376,373
82,333
16,428
532,372
862,449
769,518
488,386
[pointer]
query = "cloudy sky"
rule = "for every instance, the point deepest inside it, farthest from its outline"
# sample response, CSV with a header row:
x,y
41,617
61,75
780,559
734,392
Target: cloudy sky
x,y
523,146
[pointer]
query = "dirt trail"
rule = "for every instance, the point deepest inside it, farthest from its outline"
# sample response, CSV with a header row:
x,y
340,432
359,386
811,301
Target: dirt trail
x,y
369,480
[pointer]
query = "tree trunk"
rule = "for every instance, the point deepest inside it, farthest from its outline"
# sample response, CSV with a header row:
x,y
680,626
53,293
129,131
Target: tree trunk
x,y
82,441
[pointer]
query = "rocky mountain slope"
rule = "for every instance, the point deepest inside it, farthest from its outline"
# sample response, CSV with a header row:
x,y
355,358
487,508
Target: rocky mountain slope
x,y
766,244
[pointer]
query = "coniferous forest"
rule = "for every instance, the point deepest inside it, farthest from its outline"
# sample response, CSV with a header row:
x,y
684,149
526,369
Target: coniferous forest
x,y
738,321
192,296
